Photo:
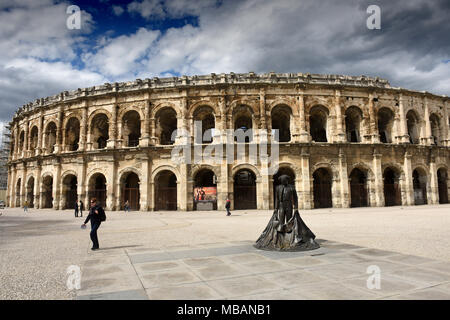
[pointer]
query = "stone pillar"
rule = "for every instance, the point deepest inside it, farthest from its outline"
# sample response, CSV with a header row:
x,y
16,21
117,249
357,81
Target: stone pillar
x,y
373,125
304,137
12,186
152,196
37,183
110,185
343,176
143,183
84,129
81,188
144,141
153,138
57,186
340,134
16,144
111,143
59,131
433,190
446,133
26,144
40,135
222,186
306,195
263,187
223,119
184,186
23,187
378,183
408,185
8,187
181,122
262,111
427,138
402,136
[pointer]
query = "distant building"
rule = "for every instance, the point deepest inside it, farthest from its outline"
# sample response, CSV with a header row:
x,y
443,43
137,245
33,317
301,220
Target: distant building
x,y
4,153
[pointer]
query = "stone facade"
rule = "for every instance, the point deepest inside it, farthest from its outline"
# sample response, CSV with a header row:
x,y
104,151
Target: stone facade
x,y
345,141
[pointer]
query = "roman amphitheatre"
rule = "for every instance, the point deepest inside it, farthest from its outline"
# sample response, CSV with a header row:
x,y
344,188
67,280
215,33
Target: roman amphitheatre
x,y
345,141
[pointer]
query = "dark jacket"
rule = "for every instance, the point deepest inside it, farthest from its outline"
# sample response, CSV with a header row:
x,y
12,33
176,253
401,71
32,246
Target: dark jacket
x,y
227,204
94,217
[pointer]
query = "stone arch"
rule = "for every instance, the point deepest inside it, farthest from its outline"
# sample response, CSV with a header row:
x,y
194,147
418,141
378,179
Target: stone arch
x,y
437,129
168,168
72,129
252,104
359,186
124,110
99,125
282,119
50,136
163,105
97,187
165,124
130,131
283,101
443,182
322,178
385,124
354,123
318,123
201,103
420,184
247,166
47,182
166,192
130,180
97,112
30,190
205,188
243,123
205,114
69,187
414,126
18,191
197,168
244,187
34,137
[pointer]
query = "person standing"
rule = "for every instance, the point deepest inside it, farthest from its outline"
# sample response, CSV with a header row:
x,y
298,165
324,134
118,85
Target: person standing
x,y
127,206
76,209
81,208
227,206
95,214
25,206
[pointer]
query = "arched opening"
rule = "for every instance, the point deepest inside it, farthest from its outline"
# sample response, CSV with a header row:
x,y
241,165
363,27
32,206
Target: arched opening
x,y
50,137
391,188
322,188
30,192
99,131
358,188
34,138
205,190
436,130
97,189
420,187
47,195
72,134
70,191
281,121
204,115
282,171
318,116
244,190
353,118
412,122
130,191
166,124
385,124
243,124
21,141
18,185
442,185
165,191
131,128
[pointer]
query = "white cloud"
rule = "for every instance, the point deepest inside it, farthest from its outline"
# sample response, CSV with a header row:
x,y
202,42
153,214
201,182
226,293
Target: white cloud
x,y
118,10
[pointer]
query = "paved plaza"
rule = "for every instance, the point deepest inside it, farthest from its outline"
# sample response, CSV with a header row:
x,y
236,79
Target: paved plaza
x,y
206,255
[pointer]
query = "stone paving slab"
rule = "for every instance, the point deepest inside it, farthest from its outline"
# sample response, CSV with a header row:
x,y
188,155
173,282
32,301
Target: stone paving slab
x,y
237,270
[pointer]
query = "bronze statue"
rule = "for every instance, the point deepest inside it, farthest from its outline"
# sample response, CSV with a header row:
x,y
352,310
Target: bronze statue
x,y
286,231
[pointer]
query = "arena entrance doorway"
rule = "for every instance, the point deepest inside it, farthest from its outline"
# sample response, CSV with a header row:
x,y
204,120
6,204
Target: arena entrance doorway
x,y
47,196
97,189
70,191
358,188
130,191
244,190
420,187
165,191
392,192
442,185
322,188
205,190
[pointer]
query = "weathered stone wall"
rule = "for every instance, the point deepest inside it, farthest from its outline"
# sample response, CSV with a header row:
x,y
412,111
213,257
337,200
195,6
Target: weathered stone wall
x,y
309,100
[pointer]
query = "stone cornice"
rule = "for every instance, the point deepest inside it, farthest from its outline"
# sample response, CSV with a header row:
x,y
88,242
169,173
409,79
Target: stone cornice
x,y
184,82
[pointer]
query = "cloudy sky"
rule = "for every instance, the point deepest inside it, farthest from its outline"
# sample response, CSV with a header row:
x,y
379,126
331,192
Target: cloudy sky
x,y
125,40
